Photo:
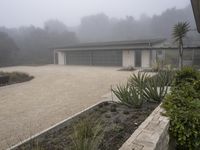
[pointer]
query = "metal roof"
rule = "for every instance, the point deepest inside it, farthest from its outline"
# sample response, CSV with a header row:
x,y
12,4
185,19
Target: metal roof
x,y
112,45
196,10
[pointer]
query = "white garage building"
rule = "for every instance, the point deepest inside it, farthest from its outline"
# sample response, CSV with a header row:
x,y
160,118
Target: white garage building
x,y
138,53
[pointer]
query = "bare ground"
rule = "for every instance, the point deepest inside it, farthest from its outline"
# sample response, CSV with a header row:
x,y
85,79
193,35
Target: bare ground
x,y
55,93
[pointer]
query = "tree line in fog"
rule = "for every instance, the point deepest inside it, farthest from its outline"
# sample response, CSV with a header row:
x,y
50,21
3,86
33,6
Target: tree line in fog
x,y
33,45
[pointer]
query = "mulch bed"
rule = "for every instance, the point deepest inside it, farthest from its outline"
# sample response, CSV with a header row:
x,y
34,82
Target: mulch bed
x,y
119,123
8,78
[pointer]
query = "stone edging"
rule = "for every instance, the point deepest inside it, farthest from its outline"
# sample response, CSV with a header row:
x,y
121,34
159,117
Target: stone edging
x,y
152,134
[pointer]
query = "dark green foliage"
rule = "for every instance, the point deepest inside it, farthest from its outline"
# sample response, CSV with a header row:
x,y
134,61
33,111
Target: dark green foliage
x,y
187,74
182,105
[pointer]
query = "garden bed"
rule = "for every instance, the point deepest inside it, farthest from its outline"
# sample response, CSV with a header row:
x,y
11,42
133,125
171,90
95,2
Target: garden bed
x,y
8,78
118,123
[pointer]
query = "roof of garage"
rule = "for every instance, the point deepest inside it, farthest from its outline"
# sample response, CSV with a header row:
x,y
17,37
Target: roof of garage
x,y
115,45
196,10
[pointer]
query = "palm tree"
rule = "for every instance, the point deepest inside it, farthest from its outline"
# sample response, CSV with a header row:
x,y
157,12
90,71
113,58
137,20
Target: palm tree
x,y
179,32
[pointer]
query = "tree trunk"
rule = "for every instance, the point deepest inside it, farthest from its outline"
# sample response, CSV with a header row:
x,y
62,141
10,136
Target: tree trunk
x,y
180,54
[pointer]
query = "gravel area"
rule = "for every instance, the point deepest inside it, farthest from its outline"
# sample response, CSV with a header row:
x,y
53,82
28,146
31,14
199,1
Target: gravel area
x,y
55,93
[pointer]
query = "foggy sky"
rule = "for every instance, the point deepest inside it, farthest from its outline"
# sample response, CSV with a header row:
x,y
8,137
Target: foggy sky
x,y
15,13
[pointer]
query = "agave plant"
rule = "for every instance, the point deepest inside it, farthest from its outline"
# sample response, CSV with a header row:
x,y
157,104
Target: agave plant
x,y
128,95
138,80
86,135
155,89
167,76
137,97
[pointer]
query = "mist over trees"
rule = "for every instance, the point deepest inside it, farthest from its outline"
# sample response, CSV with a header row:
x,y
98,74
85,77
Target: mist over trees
x,y
34,44
102,28
8,49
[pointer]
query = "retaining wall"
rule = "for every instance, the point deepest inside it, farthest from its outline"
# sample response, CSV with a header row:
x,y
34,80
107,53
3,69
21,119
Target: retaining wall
x,y
152,134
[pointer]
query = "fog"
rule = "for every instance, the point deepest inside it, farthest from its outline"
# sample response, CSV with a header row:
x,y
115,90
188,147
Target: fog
x,y
15,13
29,29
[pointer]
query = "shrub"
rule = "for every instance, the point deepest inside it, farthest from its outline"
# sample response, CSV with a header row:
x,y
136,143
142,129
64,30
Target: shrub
x,y
86,135
128,95
187,74
182,105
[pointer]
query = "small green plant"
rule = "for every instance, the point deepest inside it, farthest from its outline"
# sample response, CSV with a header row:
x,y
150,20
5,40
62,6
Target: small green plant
x,y
87,134
113,108
126,112
129,95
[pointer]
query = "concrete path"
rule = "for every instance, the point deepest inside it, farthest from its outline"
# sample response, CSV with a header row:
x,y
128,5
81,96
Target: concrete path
x,y
54,94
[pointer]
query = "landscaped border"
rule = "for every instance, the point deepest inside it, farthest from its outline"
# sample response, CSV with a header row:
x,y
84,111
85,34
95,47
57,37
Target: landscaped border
x,y
55,127
151,134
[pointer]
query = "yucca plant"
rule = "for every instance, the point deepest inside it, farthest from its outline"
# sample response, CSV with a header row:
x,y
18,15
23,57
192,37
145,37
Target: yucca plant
x,y
87,134
128,95
180,31
166,75
138,80
137,97
155,89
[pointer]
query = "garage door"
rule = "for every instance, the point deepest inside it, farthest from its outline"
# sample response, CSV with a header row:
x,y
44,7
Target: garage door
x,y
78,58
96,58
107,58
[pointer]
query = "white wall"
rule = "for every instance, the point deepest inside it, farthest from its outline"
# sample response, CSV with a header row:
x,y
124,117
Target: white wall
x,y
145,58
61,58
128,58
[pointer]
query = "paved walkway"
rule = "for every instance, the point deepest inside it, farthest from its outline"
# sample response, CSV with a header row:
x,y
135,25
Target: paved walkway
x,y
54,94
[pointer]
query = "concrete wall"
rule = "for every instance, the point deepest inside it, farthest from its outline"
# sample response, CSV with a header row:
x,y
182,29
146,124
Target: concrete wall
x,y
128,58
152,134
146,58
61,58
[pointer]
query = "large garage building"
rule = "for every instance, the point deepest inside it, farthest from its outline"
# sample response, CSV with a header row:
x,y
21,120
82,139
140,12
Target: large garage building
x,y
138,53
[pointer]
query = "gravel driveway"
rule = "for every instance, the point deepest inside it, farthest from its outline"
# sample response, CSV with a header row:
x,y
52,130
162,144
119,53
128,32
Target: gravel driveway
x,y
54,94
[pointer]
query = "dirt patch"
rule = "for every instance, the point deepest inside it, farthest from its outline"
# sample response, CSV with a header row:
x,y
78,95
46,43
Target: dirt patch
x,y
119,122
